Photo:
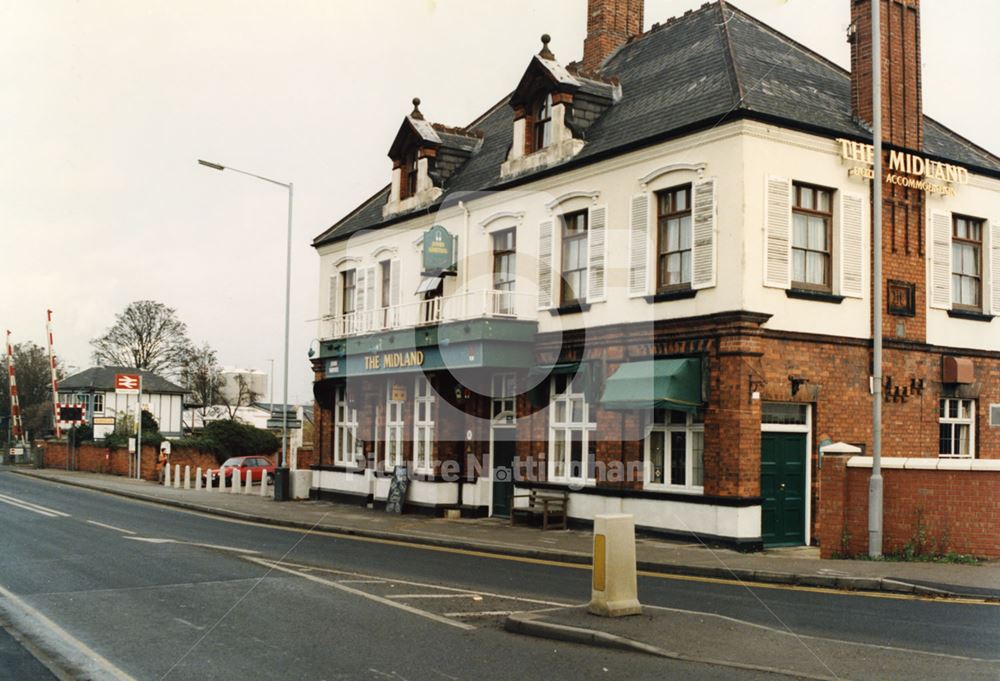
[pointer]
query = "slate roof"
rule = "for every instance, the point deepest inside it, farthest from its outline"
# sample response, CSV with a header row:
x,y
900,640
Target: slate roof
x,y
709,66
103,378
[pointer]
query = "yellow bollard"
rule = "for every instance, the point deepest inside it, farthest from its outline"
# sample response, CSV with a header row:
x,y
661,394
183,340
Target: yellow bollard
x,y
614,588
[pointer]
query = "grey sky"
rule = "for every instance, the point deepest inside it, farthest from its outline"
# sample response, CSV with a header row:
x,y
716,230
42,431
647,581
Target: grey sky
x,y
105,107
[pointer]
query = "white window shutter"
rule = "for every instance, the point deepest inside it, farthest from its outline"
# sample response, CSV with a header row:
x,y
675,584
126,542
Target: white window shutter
x,y
360,282
940,281
778,233
597,254
394,283
995,268
370,289
638,236
334,305
545,265
703,239
852,245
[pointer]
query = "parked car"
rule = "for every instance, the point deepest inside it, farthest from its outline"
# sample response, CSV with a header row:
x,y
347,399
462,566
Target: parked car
x,y
258,466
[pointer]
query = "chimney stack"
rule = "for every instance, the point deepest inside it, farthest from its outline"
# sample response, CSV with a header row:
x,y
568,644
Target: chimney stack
x,y
903,208
610,23
902,100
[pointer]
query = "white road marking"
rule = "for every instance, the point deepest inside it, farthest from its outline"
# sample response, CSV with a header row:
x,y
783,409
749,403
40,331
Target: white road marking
x,y
27,508
49,635
358,581
483,613
193,626
363,594
469,592
110,527
218,547
30,506
394,596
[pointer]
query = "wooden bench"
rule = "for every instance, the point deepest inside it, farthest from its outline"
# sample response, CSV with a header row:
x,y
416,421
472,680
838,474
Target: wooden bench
x,y
550,504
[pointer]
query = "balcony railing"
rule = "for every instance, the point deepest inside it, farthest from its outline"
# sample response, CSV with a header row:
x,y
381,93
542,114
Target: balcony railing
x,y
485,303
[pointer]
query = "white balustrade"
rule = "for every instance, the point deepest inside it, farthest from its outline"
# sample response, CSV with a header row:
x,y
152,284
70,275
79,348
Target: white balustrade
x,y
485,303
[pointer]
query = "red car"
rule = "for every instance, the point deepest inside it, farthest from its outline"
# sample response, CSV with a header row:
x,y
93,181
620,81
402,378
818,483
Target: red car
x,y
258,466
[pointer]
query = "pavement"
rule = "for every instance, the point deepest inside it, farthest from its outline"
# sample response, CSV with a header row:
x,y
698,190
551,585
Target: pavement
x,y
728,642
797,566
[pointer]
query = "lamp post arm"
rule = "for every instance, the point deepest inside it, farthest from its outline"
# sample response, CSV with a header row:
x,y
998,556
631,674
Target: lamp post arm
x,y
287,185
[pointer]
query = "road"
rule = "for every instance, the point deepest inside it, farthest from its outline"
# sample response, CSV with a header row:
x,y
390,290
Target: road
x,y
159,593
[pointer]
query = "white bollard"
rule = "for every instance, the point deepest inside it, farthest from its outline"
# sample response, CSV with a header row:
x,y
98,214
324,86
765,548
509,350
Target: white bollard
x,y
187,477
197,478
263,484
237,480
177,476
166,475
249,487
614,591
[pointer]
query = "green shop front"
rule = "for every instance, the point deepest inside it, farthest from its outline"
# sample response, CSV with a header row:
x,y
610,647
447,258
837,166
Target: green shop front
x,y
433,398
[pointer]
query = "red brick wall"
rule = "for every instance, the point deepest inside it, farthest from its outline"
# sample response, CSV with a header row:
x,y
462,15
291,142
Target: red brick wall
x,y
93,458
306,457
936,511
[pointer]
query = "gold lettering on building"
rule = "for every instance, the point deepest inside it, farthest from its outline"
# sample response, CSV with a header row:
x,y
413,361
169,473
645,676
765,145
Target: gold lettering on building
x,y
394,360
930,176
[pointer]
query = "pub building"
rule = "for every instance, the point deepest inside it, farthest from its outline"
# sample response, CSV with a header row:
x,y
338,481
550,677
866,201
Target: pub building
x,y
644,278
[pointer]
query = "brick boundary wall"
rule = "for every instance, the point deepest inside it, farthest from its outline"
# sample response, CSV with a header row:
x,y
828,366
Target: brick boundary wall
x,y
93,458
935,510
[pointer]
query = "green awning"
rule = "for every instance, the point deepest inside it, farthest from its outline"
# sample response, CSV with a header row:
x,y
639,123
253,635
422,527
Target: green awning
x,y
655,384
542,370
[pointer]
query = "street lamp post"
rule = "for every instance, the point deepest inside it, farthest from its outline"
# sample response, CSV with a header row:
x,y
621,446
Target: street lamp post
x,y
875,480
288,299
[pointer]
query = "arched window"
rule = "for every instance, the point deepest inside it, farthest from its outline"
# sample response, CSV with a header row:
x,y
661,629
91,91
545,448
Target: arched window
x,y
542,129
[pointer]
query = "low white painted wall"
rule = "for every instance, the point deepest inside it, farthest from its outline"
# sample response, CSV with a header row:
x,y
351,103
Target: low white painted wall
x,y
927,463
476,493
678,516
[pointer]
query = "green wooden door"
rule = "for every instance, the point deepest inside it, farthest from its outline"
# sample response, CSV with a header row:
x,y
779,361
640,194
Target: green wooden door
x,y
783,488
503,474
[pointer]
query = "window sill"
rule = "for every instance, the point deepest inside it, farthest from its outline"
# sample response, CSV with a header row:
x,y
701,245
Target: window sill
x,y
665,296
970,315
676,489
818,296
572,308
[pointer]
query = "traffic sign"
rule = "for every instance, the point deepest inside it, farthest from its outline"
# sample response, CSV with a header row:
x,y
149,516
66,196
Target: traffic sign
x,y
276,423
127,384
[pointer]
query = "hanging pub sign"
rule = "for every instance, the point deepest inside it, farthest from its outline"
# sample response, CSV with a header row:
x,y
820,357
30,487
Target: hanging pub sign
x,y
439,250
905,169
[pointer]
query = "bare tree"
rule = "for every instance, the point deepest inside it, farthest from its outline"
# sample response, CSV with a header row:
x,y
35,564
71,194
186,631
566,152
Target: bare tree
x,y
146,335
244,397
34,388
202,377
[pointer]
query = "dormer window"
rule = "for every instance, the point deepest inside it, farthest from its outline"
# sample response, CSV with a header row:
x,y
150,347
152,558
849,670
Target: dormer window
x,y
424,155
409,184
553,106
542,129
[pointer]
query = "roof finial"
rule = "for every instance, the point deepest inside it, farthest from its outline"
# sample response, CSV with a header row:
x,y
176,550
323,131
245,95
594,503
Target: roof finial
x,y
416,110
546,53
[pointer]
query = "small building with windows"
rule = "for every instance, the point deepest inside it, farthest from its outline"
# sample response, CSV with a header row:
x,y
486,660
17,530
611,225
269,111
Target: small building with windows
x,y
644,278
94,388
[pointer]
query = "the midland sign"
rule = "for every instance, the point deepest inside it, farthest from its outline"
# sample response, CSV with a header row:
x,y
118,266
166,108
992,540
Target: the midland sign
x,y
905,169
